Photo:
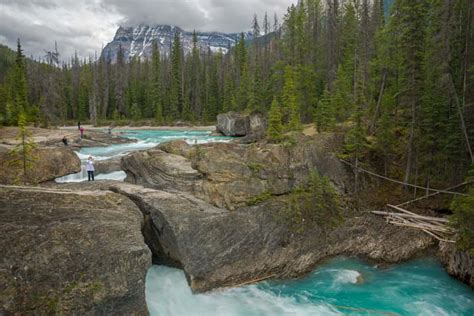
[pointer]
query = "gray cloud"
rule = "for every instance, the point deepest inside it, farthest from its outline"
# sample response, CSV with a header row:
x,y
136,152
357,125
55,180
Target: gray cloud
x,y
205,15
85,26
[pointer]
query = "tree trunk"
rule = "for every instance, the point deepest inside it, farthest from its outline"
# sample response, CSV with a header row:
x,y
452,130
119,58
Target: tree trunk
x,y
379,101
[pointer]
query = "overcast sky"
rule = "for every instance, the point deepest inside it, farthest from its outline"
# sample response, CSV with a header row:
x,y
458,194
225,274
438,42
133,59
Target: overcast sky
x,y
85,26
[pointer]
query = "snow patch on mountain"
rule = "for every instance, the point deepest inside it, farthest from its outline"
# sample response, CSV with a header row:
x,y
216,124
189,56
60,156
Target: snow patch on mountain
x,y
137,41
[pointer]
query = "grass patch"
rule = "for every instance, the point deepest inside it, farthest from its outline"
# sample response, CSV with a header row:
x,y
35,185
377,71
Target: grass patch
x,y
316,204
262,197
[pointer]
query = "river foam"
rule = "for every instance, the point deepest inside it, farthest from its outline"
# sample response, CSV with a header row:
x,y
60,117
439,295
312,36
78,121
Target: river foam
x,y
419,287
145,139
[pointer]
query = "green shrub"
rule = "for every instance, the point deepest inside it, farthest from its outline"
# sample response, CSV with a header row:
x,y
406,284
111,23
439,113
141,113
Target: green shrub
x,y
463,215
255,167
316,204
262,197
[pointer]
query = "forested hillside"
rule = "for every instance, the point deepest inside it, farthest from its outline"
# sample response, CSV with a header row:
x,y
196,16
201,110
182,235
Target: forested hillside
x,y
400,84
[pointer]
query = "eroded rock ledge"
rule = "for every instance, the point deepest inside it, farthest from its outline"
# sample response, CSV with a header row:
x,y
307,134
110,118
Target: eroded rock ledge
x,y
231,175
217,247
71,253
49,163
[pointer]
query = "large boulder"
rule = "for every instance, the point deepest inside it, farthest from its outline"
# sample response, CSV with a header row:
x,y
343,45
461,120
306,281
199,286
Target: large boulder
x,y
49,163
252,126
71,253
233,124
177,147
160,170
257,130
97,138
457,263
108,165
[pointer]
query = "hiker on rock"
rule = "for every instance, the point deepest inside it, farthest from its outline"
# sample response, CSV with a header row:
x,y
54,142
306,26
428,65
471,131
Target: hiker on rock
x,y
90,168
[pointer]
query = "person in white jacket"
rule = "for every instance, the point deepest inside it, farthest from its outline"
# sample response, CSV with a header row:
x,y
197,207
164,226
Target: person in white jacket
x,y
90,168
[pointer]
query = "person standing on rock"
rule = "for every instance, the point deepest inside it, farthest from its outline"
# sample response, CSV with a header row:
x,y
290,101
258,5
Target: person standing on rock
x,y
82,132
65,141
90,168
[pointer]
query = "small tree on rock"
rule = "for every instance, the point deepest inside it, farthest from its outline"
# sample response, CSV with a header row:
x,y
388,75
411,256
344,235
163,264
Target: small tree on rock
x,y
22,156
275,127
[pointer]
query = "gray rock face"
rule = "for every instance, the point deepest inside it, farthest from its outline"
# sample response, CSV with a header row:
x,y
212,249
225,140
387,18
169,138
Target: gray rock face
x,y
107,166
160,170
50,163
71,253
252,126
217,247
258,128
177,147
230,175
459,264
233,124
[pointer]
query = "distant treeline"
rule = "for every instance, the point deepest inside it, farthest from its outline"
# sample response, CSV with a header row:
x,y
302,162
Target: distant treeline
x,y
400,84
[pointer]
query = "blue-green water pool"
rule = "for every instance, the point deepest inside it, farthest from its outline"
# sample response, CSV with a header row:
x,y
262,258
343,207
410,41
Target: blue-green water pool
x,y
340,286
146,139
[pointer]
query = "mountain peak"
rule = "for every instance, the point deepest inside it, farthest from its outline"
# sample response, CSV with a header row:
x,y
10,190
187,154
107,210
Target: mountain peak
x,y
136,41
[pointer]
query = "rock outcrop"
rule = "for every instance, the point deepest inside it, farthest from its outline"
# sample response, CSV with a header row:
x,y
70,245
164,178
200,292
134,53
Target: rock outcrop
x,y
233,124
251,126
258,129
94,138
458,263
107,166
49,163
177,147
217,247
230,175
71,253
160,170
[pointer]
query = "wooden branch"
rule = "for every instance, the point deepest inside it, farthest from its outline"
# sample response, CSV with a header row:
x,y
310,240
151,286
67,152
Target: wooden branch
x,y
401,209
428,218
437,237
435,193
400,182
421,226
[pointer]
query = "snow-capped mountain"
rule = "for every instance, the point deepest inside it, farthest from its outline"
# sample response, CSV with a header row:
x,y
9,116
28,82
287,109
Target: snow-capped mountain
x,y
137,41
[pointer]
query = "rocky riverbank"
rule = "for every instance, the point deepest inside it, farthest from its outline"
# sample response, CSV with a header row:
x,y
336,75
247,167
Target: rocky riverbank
x,y
45,137
218,211
70,253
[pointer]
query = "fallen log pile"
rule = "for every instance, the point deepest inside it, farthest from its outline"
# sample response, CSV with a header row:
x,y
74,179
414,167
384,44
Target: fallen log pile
x,y
436,227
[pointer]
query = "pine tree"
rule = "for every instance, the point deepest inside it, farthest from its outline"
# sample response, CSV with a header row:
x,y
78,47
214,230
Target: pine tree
x,y
412,18
135,112
176,92
356,142
196,106
275,127
120,84
20,102
324,114
291,108
22,155
156,84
